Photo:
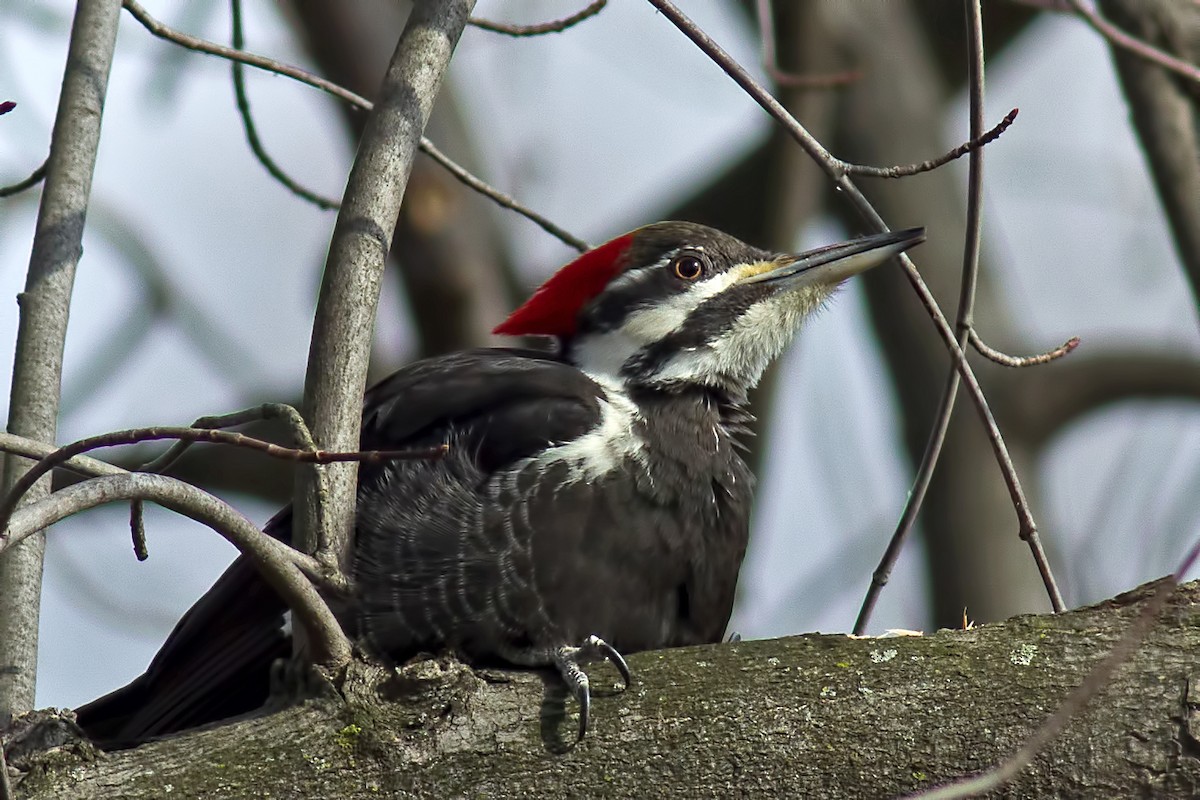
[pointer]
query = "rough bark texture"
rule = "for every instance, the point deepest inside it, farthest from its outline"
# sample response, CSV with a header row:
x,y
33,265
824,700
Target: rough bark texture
x,y
809,716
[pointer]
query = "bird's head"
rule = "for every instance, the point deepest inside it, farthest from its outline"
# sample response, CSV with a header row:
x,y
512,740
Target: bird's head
x,y
675,303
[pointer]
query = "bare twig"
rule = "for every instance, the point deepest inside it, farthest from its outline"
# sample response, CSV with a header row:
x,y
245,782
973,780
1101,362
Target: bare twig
x,y
256,145
770,59
1098,678
833,167
554,26
80,465
285,569
1133,44
137,527
977,142
35,177
44,310
1021,361
189,42
299,430
500,198
136,435
966,308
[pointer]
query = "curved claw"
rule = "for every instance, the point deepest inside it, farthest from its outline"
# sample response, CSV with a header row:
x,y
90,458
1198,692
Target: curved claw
x,y
584,695
569,661
607,651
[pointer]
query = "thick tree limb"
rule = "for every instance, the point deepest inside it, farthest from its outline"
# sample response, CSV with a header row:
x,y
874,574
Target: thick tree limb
x,y
45,305
811,716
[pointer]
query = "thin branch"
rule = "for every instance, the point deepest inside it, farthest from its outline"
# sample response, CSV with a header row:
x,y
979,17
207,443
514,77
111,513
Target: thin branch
x,y
554,26
137,527
977,142
966,307
281,566
1133,44
1021,361
136,435
1098,678
198,45
36,177
256,145
299,430
833,167
501,199
80,465
770,59
44,309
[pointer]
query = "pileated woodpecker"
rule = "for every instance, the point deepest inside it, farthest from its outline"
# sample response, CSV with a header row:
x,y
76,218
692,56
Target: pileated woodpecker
x,y
591,501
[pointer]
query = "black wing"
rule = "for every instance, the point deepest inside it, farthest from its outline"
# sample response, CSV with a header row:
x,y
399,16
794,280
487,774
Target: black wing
x,y
497,405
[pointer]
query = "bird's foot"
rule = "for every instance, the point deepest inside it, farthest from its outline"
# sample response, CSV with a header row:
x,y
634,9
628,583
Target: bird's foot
x,y
570,660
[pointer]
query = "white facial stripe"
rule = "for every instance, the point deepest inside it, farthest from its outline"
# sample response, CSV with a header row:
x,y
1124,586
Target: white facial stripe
x,y
742,354
655,322
605,353
635,275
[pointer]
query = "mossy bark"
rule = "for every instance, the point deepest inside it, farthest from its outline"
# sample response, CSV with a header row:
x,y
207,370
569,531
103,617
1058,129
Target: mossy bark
x,y
807,716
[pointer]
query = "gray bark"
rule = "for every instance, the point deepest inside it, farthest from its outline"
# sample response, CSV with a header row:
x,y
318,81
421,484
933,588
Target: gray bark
x,y
447,247
345,318
809,716
45,306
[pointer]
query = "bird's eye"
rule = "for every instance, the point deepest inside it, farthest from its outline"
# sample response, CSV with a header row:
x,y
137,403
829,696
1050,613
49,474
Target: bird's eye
x,y
687,266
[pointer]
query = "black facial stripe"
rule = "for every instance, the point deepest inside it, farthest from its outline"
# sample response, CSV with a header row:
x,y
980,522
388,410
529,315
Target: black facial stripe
x,y
708,322
648,286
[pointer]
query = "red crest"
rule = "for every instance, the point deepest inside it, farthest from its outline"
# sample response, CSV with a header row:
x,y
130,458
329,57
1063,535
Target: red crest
x,y
554,308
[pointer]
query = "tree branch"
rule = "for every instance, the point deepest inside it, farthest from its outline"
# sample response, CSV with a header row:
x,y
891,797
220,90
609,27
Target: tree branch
x,y
965,318
554,26
35,177
1005,360
189,42
281,566
252,139
44,308
1131,44
345,316
809,716
834,168
1166,115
